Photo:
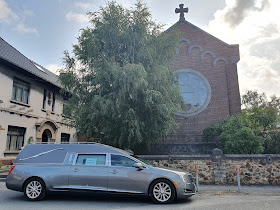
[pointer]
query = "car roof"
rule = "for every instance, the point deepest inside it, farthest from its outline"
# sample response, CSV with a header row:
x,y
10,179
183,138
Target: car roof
x,y
55,153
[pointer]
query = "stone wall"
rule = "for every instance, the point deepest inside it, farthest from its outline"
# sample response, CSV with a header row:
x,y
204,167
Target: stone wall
x,y
205,168
253,171
183,148
221,169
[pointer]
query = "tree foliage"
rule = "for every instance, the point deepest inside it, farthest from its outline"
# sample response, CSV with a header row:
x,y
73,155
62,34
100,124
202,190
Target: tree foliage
x,y
253,99
263,112
244,133
122,89
238,135
272,143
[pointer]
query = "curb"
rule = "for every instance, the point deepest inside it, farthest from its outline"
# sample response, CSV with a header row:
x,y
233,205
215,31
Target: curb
x,y
2,179
3,176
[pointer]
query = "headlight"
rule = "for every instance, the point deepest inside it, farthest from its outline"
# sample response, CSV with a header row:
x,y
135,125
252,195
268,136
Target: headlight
x,y
186,178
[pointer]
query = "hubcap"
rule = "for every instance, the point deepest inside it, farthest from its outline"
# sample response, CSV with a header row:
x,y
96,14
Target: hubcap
x,y
162,191
33,189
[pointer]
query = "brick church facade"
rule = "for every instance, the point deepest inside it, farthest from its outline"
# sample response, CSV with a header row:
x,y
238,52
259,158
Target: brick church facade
x,y
206,68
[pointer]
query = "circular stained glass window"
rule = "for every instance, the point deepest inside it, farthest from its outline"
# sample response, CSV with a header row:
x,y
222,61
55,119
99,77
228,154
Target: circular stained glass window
x,y
195,90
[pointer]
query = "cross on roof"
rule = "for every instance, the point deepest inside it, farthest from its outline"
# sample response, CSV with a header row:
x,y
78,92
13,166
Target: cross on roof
x,y
181,10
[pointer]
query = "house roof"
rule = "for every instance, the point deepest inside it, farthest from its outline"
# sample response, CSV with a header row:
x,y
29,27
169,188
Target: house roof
x,y
13,56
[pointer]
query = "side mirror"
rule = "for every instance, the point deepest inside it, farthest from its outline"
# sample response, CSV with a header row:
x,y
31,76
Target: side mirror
x,y
139,165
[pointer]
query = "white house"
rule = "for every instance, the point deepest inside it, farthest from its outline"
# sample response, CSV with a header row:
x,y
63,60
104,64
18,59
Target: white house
x,y
30,103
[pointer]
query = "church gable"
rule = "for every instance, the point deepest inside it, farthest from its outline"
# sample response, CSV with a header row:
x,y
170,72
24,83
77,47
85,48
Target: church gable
x,y
197,40
207,73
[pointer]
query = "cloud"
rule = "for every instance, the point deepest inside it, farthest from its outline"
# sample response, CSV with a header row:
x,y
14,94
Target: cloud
x,y
9,17
28,13
77,17
236,14
257,32
84,6
6,14
54,68
126,3
26,30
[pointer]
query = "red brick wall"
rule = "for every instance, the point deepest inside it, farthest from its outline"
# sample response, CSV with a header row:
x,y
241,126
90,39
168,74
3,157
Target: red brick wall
x,y
221,75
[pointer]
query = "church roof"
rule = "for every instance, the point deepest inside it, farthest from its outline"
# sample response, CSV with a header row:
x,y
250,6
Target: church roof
x,y
9,54
195,27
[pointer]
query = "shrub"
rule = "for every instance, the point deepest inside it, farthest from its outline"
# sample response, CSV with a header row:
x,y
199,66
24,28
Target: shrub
x,y
238,135
212,132
272,143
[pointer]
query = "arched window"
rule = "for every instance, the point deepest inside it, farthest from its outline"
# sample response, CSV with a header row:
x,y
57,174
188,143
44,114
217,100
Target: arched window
x,y
195,90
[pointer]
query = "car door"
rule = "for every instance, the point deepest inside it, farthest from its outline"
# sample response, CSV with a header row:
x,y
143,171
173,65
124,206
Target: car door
x,y
89,172
124,177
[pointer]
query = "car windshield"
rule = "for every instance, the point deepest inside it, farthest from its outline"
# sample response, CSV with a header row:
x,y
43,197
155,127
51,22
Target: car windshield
x,y
147,163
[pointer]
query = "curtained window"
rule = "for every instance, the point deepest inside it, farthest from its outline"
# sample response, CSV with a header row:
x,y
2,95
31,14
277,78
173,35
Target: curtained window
x,y
15,138
20,91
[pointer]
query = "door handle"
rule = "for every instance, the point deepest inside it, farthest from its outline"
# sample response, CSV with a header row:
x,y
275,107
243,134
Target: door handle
x,y
75,170
113,172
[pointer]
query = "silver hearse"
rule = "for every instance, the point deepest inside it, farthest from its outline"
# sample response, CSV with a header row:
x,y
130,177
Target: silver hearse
x,y
43,169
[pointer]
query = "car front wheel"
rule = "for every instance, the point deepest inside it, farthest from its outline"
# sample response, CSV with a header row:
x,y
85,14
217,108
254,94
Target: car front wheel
x,y
162,191
34,189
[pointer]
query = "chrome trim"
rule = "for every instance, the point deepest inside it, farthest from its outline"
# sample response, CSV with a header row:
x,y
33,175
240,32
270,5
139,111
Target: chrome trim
x,y
40,154
75,187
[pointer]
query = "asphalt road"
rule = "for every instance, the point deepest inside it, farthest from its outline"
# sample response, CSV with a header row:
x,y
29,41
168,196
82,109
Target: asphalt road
x,y
205,199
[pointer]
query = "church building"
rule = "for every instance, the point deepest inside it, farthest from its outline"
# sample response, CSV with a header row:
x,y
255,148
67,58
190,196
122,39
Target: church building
x,y
206,68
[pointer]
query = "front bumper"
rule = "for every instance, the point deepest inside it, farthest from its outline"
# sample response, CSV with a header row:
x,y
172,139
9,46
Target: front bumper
x,y
186,192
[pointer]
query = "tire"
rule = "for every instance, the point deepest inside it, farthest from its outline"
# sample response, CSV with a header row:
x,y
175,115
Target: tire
x,y
34,189
162,191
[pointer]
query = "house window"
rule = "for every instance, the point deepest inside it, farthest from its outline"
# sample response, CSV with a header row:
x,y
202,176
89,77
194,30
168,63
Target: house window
x,y
65,137
20,91
44,99
53,102
15,138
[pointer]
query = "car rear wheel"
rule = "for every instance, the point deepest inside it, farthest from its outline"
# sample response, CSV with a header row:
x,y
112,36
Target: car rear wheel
x,y
162,191
34,189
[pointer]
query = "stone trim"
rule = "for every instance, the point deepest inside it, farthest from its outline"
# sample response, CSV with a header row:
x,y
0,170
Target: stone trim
x,y
205,53
194,46
175,157
19,103
219,59
19,113
184,40
235,59
47,121
46,124
198,157
179,42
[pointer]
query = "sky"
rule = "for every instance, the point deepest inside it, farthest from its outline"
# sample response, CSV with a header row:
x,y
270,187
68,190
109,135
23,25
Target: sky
x,y
43,30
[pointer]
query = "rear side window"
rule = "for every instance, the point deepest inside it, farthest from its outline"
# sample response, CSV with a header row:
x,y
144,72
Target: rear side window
x,y
91,160
118,160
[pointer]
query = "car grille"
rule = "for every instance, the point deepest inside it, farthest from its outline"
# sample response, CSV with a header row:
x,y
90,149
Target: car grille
x,y
188,178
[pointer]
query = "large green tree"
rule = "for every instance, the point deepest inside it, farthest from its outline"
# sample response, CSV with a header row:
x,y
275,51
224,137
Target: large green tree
x,y
122,88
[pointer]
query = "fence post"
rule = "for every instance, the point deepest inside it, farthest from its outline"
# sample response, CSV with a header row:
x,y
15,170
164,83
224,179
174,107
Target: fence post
x,y
196,178
238,179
